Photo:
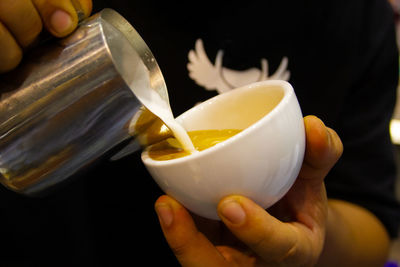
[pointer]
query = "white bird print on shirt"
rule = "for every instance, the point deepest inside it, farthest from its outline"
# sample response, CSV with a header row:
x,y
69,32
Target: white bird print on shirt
x,y
217,77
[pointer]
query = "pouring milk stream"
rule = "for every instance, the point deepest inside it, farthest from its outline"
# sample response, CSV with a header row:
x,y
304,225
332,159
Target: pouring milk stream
x,y
161,108
138,76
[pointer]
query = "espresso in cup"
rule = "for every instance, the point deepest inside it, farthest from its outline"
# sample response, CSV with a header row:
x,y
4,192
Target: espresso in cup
x,y
202,139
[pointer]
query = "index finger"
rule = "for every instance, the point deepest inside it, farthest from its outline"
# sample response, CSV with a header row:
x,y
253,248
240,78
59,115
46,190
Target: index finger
x,y
190,246
10,52
21,19
323,149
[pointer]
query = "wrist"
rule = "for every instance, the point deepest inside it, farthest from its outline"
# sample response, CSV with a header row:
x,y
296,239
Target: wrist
x,y
354,237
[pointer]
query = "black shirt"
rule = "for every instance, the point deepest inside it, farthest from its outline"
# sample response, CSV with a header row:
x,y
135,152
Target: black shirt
x,y
343,64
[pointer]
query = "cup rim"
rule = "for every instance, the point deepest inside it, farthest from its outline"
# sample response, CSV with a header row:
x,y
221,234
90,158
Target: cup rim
x,y
288,92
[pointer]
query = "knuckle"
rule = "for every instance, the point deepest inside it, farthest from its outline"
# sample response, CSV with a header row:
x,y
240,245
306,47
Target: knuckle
x,y
180,249
278,248
257,242
183,246
289,255
10,52
9,61
21,19
31,33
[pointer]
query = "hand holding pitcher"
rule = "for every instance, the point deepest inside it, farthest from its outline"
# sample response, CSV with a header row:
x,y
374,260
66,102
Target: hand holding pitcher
x,y
22,21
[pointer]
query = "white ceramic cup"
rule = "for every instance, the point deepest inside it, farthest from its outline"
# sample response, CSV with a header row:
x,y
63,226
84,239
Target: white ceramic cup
x,y
261,162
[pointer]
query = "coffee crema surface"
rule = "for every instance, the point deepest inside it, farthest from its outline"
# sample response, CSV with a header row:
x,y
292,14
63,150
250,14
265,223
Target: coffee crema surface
x,y
202,139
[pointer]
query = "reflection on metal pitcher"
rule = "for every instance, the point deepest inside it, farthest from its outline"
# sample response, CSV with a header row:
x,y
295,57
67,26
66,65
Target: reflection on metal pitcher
x,y
69,102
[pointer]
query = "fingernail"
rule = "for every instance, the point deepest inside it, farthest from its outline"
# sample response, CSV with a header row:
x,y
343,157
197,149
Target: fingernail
x,y
165,214
60,21
233,212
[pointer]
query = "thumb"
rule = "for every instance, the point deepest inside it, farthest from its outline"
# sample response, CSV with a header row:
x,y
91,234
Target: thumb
x,y
61,17
276,242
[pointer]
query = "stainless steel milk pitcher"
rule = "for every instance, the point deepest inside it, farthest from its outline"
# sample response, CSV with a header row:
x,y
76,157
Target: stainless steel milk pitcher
x,y
71,101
